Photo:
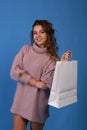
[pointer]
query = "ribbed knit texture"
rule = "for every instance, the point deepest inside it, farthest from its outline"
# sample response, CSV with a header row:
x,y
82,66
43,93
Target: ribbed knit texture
x,y
30,102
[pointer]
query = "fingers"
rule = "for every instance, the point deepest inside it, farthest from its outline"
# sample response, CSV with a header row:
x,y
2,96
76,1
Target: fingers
x,y
66,56
38,84
69,54
32,81
69,51
41,85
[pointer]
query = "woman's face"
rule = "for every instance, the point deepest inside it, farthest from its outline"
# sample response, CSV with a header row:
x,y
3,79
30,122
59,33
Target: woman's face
x,y
39,36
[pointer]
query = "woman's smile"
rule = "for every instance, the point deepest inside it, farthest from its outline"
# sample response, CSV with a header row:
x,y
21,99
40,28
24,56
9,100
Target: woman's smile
x,y
39,36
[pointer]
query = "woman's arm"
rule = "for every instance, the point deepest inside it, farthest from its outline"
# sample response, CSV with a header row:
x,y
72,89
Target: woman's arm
x,y
46,78
18,71
37,83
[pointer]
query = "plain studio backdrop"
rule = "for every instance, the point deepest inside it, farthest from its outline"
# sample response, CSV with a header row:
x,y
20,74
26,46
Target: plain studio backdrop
x,y
69,18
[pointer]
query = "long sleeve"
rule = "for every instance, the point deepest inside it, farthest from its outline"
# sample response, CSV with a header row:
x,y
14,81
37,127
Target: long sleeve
x,y
48,73
18,71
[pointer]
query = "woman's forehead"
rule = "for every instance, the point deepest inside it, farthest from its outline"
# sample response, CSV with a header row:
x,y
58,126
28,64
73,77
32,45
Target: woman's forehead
x,y
38,27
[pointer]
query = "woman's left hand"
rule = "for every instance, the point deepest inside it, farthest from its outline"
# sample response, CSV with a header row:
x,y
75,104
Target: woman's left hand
x,y
66,56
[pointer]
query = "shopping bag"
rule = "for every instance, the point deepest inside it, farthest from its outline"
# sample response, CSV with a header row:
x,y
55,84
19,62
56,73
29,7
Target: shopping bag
x,y
64,86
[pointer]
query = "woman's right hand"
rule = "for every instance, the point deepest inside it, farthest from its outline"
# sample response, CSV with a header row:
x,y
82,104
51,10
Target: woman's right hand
x,y
37,83
40,84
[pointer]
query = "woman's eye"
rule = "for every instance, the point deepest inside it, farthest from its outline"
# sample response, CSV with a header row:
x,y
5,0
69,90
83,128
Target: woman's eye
x,y
34,33
42,31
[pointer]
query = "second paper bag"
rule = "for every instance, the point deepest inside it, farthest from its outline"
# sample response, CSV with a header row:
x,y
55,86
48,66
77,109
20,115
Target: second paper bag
x,y
64,85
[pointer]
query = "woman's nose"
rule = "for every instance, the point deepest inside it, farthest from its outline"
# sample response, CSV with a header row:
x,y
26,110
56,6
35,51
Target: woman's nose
x,y
38,34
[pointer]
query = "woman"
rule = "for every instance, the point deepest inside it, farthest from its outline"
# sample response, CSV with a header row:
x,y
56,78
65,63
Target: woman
x,y
33,68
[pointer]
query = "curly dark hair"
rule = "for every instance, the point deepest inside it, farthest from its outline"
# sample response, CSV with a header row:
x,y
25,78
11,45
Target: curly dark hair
x,y
51,44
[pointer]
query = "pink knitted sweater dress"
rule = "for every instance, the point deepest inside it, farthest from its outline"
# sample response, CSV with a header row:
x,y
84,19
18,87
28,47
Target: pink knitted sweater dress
x,y
29,101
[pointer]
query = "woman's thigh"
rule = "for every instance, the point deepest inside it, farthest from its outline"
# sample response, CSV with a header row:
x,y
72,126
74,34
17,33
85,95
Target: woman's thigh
x,y
19,123
36,126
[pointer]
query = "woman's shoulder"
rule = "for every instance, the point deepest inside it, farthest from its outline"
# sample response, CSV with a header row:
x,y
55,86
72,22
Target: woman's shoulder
x,y
50,61
26,47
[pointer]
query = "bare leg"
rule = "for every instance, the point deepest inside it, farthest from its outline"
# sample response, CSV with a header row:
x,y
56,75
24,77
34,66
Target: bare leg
x,y
19,123
36,126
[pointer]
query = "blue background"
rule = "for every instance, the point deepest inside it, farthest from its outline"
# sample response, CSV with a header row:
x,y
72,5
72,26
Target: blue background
x,y
69,18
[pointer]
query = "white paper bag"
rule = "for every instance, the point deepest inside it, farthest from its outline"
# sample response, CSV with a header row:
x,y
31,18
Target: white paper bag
x,y
64,85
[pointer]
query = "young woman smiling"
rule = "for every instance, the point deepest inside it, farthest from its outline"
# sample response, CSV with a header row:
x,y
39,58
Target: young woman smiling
x,y
33,68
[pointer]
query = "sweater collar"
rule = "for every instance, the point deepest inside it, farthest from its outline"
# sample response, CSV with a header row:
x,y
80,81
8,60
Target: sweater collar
x,y
38,49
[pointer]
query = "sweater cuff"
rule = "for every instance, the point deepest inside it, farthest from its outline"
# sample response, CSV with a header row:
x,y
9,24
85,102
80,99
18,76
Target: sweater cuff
x,y
24,78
